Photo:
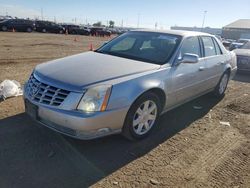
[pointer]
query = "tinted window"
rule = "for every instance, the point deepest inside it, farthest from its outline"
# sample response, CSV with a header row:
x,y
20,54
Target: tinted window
x,y
208,46
190,45
217,47
150,47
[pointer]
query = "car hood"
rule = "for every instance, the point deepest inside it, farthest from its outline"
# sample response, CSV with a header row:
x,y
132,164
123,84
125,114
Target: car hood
x,y
242,52
89,68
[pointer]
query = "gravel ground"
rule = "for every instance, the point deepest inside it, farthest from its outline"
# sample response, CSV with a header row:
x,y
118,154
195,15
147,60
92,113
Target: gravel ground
x,y
189,147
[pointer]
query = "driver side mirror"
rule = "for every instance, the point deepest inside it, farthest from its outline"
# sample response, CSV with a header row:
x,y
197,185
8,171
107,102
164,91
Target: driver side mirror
x,y
189,58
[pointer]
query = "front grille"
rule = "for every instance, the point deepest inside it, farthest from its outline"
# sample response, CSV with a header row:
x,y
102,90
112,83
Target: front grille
x,y
243,62
44,93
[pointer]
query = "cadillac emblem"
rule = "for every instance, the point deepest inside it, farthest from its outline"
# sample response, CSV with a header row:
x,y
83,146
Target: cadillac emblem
x,y
34,90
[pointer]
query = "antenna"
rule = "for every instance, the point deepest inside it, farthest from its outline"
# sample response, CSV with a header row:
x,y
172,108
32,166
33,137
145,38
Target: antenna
x,y
138,20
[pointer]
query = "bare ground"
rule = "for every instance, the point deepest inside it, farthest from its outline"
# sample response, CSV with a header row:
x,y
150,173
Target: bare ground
x,y
189,148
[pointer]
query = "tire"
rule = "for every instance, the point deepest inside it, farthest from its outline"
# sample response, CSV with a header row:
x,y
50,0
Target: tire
x,y
4,28
29,30
140,121
221,87
44,30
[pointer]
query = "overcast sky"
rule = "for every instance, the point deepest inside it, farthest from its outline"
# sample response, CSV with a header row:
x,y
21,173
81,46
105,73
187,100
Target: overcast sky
x,y
165,12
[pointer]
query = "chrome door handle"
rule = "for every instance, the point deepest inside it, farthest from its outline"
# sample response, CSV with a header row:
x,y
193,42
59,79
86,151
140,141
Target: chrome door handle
x,y
201,68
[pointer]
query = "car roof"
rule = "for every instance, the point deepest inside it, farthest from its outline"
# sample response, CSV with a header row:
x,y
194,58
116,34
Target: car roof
x,y
175,32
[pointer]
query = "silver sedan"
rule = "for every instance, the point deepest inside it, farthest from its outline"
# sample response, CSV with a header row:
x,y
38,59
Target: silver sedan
x,y
125,85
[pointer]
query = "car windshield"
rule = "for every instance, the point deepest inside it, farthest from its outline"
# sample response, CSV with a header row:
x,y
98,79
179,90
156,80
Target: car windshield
x,y
246,46
150,47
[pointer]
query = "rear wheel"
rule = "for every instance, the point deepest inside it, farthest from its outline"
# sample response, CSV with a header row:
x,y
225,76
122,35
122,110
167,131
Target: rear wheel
x,y
4,28
222,85
142,117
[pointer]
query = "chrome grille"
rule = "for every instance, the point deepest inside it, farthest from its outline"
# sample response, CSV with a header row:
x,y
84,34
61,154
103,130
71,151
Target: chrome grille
x,y
43,93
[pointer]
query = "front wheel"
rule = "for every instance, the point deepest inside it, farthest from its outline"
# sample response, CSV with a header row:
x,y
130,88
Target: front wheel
x,y
29,30
222,85
142,117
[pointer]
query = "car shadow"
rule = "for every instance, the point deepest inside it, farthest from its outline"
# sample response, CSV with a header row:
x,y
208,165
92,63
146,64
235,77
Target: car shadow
x,y
242,77
35,156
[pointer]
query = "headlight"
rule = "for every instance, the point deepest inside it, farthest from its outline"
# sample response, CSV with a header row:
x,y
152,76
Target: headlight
x,y
95,99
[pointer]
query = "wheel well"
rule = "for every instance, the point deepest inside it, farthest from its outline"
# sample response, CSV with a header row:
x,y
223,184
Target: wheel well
x,y
228,70
160,93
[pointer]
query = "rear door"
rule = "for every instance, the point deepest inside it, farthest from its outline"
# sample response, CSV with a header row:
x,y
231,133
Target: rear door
x,y
214,61
187,78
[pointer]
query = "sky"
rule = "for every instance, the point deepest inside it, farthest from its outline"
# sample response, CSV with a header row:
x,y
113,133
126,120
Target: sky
x,y
131,13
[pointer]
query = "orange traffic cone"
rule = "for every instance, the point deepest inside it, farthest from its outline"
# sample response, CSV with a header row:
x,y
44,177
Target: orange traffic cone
x,y
91,47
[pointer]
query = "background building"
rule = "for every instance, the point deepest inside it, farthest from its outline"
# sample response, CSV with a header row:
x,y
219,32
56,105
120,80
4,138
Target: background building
x,y
213,31
237,29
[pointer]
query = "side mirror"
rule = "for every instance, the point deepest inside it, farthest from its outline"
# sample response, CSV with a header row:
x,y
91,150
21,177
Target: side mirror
x,y
189,58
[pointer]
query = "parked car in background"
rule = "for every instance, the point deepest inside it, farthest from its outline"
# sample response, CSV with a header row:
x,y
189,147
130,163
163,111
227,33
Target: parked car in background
x,y
226,43
48,27
5,18
18,25
238,44
243,57
125,85
235,45
76,29
99,31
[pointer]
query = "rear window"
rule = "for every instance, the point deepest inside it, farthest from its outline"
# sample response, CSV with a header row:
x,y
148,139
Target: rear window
x,y
209,47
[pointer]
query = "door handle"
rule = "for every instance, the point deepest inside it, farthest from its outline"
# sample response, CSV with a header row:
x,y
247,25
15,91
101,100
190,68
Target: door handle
x,y
201,68
222,62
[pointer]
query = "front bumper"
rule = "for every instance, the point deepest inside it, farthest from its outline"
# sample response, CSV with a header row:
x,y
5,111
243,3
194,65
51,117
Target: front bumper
x,y
77,124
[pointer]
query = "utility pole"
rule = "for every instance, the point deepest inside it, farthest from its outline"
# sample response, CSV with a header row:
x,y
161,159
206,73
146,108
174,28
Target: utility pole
x,y
203,21
122,23
138,20
42,13
156,24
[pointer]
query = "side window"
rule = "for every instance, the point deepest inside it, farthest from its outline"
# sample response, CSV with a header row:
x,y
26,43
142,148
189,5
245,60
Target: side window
x,y
217,47
209,47
124,44
190,45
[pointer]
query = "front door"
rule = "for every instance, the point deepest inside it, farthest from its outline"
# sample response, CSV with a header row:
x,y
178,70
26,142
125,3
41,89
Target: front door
x,y
187,78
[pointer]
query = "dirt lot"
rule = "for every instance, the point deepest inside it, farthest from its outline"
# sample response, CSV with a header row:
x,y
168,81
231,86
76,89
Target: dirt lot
x,y
189,148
